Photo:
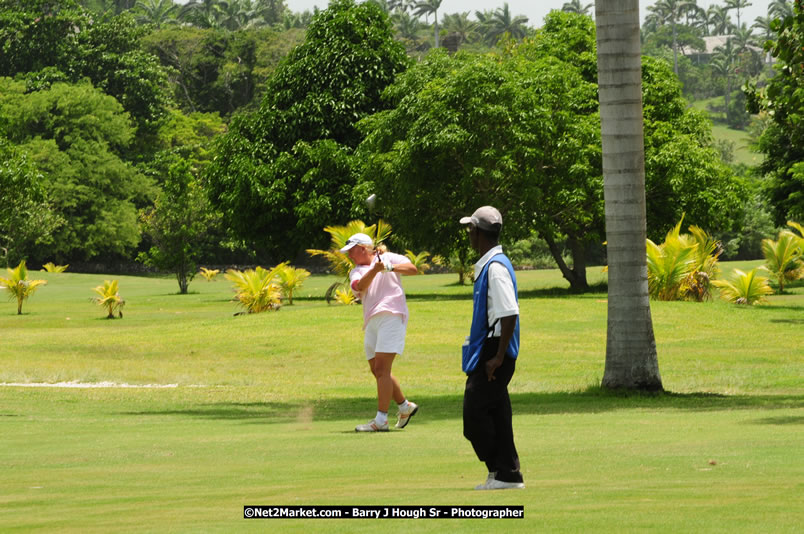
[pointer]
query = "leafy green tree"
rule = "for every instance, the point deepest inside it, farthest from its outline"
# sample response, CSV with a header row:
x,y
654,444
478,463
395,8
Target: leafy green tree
x,y
683,171
284,169
178,224
48,41
465,131
214,70
75,136
521,132
18,286
187,137
782,142
26,217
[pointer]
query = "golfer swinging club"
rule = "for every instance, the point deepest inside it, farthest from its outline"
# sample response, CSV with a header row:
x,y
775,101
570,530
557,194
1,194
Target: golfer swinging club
x,y
489,354
376,282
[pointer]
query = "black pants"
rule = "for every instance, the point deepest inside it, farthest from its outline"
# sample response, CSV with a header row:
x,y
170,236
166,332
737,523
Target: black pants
x,y
487,416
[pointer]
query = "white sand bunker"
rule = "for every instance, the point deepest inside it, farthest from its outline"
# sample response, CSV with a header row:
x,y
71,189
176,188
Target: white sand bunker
x,y
76,384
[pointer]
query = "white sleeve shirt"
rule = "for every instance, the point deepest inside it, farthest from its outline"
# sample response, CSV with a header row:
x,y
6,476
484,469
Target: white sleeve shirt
x,y
502,297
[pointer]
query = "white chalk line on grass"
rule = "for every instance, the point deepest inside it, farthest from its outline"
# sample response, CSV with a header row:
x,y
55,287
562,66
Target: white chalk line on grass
x,y
76,384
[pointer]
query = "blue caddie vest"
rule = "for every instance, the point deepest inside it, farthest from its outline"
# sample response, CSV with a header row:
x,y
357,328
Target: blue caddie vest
x,y
480,322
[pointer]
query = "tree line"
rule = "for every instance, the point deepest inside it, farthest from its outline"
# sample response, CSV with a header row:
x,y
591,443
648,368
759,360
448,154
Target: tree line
x,y
120,140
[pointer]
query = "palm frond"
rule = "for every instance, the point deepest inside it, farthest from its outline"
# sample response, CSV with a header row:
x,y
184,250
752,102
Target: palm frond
x,y
291,278
744,288
257,290
783,257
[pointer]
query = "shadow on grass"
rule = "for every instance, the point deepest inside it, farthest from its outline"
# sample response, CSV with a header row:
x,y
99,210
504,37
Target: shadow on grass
x,y
791,420
441,407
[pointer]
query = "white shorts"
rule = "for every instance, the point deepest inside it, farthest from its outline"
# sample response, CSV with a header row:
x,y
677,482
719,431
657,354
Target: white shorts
x,y
385,332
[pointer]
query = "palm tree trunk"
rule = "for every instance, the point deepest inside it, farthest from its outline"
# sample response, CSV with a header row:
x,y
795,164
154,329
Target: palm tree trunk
x,y
631,360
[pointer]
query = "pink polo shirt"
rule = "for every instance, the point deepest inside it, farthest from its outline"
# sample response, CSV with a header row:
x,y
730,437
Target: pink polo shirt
x,y
385,294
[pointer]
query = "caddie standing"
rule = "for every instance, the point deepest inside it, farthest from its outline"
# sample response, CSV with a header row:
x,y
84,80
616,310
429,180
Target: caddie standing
x,y
489,354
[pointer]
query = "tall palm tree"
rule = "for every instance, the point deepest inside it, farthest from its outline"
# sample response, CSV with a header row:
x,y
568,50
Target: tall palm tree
x,y
631,359
723,64
744,39
502,22
484,23
425,7
763,25
671,11
779,9
737,5
575,6
407,26
459,24
204,13
156,12
719,19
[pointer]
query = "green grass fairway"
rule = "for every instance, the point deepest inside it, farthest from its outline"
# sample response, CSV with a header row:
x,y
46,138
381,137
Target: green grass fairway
x,y
260,410
720,131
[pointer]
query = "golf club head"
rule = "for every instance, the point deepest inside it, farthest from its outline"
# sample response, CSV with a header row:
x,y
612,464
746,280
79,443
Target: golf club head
x,y
371,201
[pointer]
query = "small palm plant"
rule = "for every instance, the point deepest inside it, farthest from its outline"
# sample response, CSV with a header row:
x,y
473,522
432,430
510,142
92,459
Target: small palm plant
x,y
459,262
744,288
257,290
53,268
683,267
339,263
109,298
669,265
705,265
783,258
291,279
345,296
18,285
419,260
209,274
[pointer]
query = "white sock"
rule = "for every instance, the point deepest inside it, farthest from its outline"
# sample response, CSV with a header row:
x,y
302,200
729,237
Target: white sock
x,y
404,406
381,417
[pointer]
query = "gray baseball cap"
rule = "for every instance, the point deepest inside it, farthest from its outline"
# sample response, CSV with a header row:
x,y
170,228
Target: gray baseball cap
x,y
486,218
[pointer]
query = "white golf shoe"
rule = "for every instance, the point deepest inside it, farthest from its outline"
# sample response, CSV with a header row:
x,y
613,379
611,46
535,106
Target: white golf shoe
x,y
404,416
372,426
